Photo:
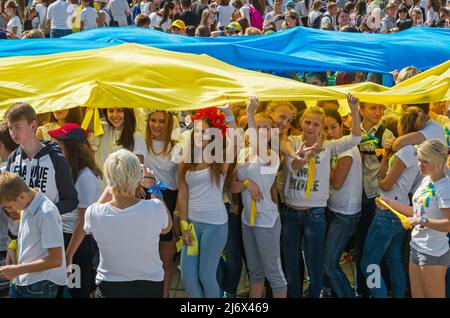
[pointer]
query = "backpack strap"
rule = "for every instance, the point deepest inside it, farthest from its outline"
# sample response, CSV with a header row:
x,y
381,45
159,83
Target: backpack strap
x,y
110,15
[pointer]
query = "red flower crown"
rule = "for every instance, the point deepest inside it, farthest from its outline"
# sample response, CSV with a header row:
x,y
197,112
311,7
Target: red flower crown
x,y
213,118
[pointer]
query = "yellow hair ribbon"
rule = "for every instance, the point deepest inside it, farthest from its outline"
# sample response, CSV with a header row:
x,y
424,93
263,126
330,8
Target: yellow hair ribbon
x,y
403,219
93,112
192,250
310,182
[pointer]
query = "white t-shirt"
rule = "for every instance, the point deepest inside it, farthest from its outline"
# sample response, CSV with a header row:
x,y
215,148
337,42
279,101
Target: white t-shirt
x,y
60,15
295,185
429,241
38,22
155,19
106,144
119,10
40,229
89,189
107,16
327,19
313,15
145,7
89,17
340,201
267,209
431,16
224,15
432,130
205,202
271,16
15,23
245,13
128,240
301,9
405,182
165,166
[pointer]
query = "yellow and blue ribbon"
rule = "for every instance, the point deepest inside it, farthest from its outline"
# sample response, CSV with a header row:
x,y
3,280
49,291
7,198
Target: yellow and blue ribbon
x,y
157,189
428,193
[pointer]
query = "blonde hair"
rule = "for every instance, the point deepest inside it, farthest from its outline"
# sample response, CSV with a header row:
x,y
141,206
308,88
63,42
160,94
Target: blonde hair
x,y
317,4
314,111
271,106
11,186
434,151
413,119
406,73
253,31
122,170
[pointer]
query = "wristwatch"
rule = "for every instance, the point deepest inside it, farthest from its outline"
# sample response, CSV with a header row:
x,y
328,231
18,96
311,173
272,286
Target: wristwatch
x,y
423,221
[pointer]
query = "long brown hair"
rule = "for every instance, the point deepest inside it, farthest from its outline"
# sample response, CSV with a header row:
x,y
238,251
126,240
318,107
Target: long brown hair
x,y
216,167
126,139
411,120
168,128
79,156
74,116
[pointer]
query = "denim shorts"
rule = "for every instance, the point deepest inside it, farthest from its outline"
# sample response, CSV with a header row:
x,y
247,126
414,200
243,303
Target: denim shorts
x,y
422,259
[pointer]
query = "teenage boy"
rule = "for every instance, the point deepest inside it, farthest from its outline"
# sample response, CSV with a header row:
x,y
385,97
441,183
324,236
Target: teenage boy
x,y
374,137
40,163
41,262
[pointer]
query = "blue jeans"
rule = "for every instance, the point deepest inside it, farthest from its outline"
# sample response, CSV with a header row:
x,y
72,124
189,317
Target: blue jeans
x,y
230,266
306,227
59,33
42,289
385,238
199,273
340,229
367,214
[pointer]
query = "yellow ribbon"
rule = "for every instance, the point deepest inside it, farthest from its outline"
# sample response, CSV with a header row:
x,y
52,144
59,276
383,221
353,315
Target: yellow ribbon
x,y
403,219
93,112
12,245
253,213
192,250
310,182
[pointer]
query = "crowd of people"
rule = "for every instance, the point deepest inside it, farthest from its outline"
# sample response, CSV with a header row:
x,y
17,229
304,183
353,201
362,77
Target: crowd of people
x,y
204,18
113,211
119,205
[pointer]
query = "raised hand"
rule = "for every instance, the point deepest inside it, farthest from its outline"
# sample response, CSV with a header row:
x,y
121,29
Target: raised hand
x,y
353,102
252,104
